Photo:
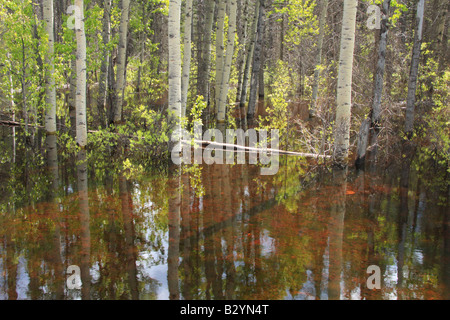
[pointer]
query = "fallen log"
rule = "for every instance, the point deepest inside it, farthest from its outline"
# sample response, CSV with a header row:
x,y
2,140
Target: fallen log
x,y
234,147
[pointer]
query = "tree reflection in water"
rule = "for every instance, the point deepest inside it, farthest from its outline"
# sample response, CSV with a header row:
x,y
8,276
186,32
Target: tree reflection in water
x,y
302,234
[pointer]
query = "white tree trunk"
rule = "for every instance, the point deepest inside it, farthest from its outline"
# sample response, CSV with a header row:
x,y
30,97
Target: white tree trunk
x,y
50,91
80,100
344,84
121,60
186,57
174,61
222,109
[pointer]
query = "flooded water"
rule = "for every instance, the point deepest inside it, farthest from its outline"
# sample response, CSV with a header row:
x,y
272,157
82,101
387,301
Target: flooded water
x,y
216,232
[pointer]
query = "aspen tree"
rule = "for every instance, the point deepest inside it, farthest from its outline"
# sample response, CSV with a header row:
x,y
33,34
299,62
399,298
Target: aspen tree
x,y
256,62
205,65
174,61
373,122
249,58
186,56
228,60
121,60
50,91
344,84
220,50
80,99
174,119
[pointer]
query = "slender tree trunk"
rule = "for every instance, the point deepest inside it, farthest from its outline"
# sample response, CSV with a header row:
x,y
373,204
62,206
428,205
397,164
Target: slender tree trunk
x,y
248,62
374,121
205,65
103,82
315,89
444,54
379,76
187,57
283,27
242,15
34,116
344,85
24,88
256,63
142,39
415,61
50,91
220,51
111,93
13,111
174,62
222,109
72,96
261,91
121,61
199,38
80,103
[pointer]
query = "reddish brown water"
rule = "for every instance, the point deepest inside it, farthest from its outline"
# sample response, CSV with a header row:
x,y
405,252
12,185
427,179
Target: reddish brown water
x,y
229,233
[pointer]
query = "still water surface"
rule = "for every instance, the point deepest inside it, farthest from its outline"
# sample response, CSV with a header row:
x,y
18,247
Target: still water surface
x,y
217,232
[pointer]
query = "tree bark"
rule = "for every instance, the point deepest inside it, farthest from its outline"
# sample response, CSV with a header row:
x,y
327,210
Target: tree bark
x,y
186,57
248,62
50,91
80,103
344,85
219,51
73,96
205,65
242,20
261,91
256,63
222,109
103,81
174,62
373,129
414,71
315,89
121,60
